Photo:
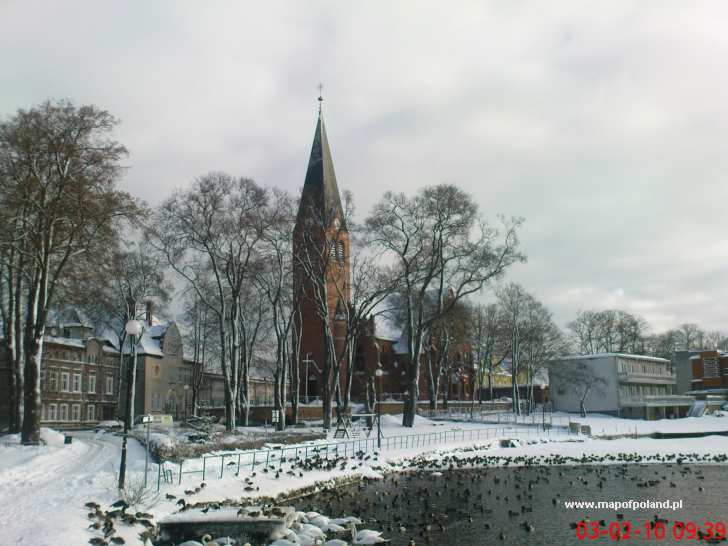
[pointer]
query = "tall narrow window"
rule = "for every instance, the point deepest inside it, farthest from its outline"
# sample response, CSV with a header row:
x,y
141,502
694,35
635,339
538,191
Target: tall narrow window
x,y
109,385
91,412
340,246
65,382
91,383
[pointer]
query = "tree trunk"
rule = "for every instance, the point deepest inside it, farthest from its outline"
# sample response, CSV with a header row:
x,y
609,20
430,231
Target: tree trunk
x,y
19,357
32,406
410,405
371,400
433,382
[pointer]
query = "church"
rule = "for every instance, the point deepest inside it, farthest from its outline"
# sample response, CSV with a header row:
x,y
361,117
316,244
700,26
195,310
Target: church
x,y
322,292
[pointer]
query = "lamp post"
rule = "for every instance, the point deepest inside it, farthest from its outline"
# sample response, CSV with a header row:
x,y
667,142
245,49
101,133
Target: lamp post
x,y
186,388
306,361
133,329
379,373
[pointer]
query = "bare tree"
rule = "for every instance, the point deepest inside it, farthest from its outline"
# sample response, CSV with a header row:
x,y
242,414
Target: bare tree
x,y
578,377
58,171
438,243
541,341
609,331
690,336
199,320
514,302
489,344
713,340
213,232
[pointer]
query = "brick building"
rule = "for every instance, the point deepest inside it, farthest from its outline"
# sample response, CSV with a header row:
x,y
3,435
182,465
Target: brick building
x,y
79,374
320,224
321,263
709,370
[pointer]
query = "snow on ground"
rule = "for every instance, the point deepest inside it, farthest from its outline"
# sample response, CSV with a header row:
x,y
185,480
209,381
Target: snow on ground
x,y
43,489
602,425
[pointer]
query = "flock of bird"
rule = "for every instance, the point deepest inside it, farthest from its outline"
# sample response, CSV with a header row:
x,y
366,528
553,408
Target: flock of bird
x,y
103,522
408,511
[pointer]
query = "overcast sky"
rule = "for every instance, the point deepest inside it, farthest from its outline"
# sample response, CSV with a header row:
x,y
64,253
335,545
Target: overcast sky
x,y
603,123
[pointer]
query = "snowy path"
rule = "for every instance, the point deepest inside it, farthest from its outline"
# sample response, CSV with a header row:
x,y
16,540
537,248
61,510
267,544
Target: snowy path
x,y
43,489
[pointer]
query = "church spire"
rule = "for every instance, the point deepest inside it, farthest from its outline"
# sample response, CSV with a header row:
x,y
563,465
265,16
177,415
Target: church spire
x,y
320,190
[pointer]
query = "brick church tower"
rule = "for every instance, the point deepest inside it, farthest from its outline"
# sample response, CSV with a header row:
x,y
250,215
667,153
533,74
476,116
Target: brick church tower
x,y
321,267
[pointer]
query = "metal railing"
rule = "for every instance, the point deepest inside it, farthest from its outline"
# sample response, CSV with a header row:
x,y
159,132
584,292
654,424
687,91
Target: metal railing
x,y
483,415
219,465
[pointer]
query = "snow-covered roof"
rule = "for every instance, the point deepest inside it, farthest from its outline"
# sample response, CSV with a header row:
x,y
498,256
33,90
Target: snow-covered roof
x,y
80,343
71,342
612,355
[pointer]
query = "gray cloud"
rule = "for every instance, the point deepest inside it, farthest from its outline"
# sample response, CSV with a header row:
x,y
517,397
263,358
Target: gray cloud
x,y
602,123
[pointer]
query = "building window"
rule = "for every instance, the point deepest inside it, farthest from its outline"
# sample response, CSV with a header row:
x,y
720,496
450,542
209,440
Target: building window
x,y
53,381
109,385
156,401
340,247
77,382
52,412
65,382
711,369
91,383
76,412
91,412
63,412
43,412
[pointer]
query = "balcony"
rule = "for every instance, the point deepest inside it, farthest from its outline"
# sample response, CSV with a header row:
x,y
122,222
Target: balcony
x,y
656,400
647,378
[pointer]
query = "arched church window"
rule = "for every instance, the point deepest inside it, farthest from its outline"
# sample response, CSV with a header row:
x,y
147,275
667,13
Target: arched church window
x,y
340,246
360,362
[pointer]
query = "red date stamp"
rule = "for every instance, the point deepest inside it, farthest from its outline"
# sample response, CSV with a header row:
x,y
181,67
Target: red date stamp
x,y
710,531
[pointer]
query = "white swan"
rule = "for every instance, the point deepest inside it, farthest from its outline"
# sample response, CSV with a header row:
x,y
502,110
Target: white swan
x,y
333,528
366,536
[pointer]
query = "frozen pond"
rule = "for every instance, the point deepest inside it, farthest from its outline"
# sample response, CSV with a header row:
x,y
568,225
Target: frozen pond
x,y
517,506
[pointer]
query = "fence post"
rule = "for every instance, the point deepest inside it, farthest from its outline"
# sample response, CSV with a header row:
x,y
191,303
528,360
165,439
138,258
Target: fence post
x,y
159,475
180,472
222,465
239,462
204,461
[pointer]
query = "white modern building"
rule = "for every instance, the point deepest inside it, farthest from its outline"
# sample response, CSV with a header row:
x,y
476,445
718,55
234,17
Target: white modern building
x,y
633,386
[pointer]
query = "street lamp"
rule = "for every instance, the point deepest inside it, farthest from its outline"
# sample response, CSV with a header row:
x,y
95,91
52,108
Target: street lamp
x,y
186,388
378,372
133,329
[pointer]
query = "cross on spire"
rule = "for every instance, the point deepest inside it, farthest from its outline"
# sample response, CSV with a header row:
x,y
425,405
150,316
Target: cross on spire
x,y
321,95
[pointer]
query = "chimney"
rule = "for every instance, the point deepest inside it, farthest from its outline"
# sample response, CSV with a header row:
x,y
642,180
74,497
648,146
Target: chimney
x,y
149,312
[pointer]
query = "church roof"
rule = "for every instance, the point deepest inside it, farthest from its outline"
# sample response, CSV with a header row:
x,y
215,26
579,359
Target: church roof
x,y
320,190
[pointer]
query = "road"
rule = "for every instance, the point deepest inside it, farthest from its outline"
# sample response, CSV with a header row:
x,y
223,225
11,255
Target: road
x,y
43,489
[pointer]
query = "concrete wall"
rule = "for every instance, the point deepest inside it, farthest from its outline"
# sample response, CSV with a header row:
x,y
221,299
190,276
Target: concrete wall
x,y
683,370
565,395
